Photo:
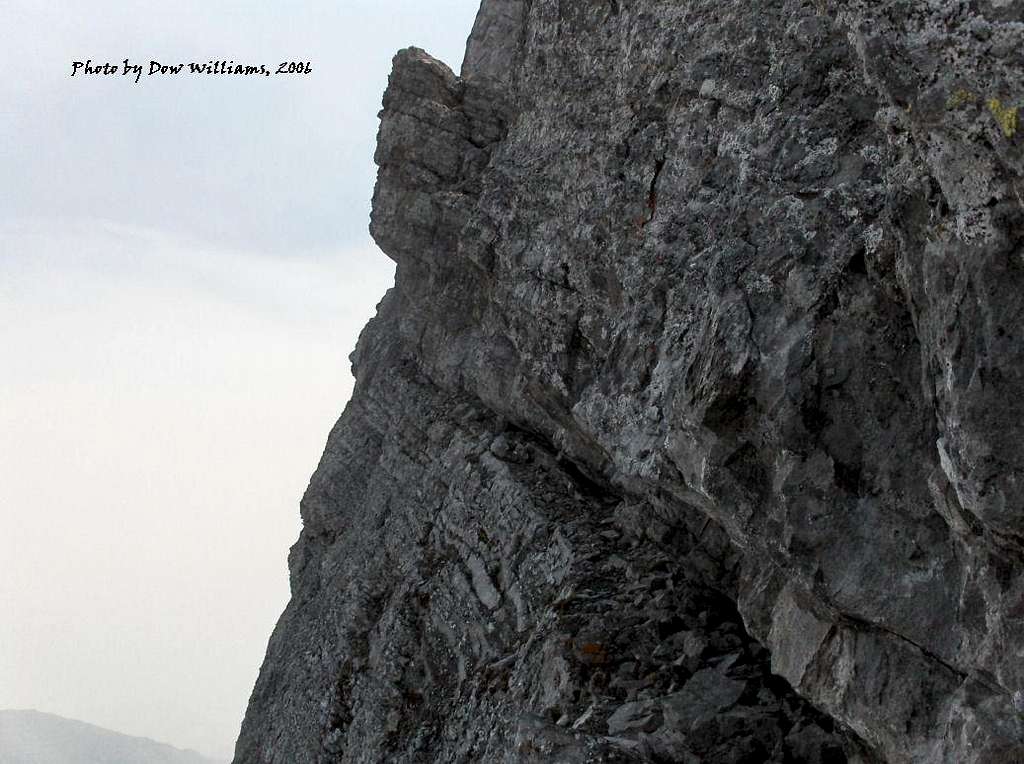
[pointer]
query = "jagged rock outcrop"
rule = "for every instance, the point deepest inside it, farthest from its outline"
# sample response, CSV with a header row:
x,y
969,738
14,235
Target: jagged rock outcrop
x,y
692,428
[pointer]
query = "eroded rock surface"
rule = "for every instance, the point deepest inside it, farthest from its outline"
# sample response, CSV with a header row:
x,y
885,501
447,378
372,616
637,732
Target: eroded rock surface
x,y
691,429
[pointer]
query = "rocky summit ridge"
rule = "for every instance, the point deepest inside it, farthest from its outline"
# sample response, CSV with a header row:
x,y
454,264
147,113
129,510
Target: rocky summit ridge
x,y
693,427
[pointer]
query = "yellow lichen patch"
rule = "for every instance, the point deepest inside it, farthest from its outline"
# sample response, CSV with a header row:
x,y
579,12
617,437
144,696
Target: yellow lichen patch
x,y
1006,116
958,98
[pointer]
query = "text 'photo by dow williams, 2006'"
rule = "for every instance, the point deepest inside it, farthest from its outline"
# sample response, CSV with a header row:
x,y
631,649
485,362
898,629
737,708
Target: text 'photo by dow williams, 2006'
x,y
135,71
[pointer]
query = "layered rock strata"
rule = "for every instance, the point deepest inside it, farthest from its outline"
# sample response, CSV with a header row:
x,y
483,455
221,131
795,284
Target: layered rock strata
x,y
692,428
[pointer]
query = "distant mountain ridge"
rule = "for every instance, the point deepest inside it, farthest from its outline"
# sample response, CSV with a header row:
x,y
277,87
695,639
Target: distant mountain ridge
x,y
33,737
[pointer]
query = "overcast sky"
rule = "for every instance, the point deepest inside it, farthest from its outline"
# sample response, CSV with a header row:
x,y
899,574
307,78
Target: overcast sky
x,y
184,268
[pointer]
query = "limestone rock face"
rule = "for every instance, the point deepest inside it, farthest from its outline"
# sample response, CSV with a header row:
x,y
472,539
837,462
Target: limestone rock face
x,y
693,427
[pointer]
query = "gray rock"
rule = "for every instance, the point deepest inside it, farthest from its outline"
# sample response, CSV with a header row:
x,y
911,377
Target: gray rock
x,y
743,280
811,744
642,716
707,694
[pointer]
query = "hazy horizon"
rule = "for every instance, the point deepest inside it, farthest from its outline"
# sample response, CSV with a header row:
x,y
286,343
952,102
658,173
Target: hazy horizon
x,y
35,737
185,268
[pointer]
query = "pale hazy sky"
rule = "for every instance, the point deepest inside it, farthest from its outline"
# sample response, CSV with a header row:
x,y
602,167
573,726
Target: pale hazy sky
x,y
184,268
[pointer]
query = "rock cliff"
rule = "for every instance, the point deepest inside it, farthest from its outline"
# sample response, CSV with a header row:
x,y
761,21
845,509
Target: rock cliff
x,y
693,427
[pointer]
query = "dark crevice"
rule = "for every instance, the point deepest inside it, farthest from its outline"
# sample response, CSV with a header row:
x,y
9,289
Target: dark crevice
x,y
857,263
652,191
589,487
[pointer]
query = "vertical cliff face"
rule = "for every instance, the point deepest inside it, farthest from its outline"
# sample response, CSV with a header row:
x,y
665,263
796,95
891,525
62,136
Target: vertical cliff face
x,y
692,428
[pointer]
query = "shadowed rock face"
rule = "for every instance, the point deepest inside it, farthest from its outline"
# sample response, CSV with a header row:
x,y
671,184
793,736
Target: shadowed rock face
x,y
692,428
